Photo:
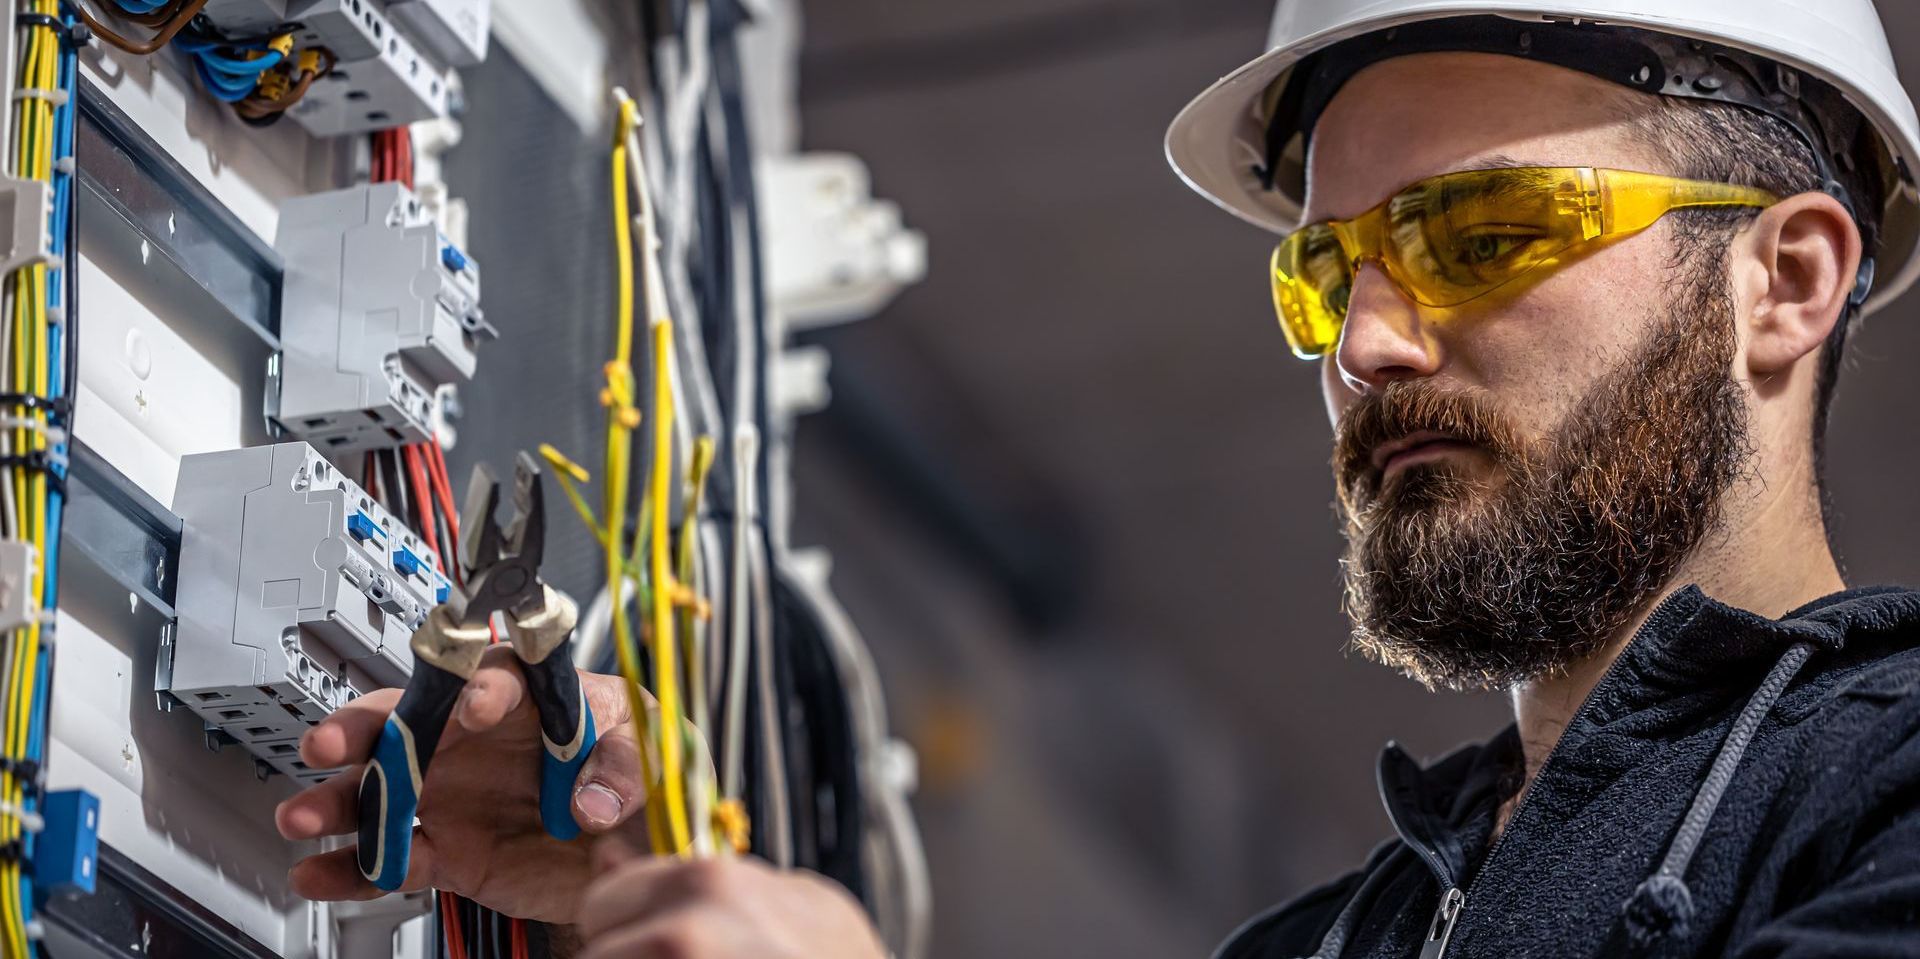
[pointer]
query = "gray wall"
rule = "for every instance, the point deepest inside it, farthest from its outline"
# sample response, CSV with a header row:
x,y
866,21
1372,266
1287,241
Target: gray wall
x,y
1176,738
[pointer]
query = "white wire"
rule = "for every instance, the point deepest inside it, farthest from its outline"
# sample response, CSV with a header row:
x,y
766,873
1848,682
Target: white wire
x,y
779,819
746,447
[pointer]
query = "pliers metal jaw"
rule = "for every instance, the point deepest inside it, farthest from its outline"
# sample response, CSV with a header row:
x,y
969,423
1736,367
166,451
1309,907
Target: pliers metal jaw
x,y
502,576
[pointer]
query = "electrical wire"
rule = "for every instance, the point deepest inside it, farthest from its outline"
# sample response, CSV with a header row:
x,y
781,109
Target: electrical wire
x,y
37,355
168,19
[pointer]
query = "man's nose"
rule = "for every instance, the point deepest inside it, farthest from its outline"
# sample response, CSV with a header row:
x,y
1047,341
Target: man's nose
x,y
1384,338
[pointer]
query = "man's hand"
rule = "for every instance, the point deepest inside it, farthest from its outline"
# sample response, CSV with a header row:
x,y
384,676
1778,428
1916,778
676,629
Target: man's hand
x,y
480,834
668,908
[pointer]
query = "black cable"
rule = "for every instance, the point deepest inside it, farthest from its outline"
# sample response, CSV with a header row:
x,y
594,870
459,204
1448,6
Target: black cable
x,y
392,484
70,277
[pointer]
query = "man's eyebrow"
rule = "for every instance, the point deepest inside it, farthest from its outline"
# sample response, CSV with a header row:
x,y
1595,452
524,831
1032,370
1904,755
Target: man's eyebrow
x,y
1500,161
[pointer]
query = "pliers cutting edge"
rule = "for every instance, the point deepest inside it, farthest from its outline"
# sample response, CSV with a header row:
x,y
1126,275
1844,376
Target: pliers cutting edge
x,y
502,576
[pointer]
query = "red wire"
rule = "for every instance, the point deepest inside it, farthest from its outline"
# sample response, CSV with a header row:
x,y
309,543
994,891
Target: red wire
x,y
450,925
370,475
418,481
519,927
403,143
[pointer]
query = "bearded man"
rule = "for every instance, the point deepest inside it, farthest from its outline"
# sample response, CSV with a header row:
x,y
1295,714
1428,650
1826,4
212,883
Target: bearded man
x,y
1578,278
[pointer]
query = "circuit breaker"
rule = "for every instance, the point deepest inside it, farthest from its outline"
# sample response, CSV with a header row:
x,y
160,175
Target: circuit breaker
x,y
452,31
379,312
297,592
381,78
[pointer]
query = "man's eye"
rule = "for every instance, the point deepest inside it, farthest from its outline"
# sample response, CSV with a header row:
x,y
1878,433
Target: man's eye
x,y
1489,244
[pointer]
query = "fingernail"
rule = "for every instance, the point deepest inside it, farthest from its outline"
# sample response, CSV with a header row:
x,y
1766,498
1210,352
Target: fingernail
x,y
600,805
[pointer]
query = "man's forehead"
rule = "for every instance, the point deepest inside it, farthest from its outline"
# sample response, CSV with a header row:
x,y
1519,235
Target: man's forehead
x,y
1417,116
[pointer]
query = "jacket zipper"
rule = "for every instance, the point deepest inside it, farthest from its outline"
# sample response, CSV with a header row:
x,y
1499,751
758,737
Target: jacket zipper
x,y
1441,929
1453,902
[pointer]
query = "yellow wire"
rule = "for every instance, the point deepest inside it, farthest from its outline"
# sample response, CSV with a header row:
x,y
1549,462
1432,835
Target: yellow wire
x,y
621,419
30,372
666,669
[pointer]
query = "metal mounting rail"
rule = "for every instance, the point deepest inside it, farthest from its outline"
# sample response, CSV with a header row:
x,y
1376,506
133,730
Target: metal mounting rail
x,y
117,527
134,915
140,208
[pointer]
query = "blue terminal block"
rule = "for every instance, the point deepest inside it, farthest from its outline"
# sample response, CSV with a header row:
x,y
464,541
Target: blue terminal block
x,y
407,563
362,527
67,850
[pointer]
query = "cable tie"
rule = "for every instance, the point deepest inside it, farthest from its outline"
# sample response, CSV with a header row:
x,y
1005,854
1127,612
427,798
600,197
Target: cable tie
x,y
27,769
53,433
36,930
60,406
29,820
65,165
76,34
56,97
41,461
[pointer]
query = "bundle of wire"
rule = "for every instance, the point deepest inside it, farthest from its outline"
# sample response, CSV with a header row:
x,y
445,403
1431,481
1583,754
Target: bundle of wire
x,y
262,76
684,810
36,383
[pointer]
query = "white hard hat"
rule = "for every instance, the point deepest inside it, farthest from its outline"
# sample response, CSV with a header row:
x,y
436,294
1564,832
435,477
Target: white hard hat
x,y
1223,143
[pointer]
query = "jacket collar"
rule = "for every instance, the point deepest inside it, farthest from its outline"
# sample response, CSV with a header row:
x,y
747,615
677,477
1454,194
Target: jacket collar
x,y
1691,646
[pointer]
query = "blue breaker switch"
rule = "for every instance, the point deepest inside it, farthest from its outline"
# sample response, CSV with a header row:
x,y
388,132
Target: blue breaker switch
x,y
407,563
440,595
362,527
67,850
452,258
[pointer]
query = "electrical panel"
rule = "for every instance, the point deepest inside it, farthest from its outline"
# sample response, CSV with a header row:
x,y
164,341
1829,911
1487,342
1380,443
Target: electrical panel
x,y
379,313
452,31
391,84
297,593
380,78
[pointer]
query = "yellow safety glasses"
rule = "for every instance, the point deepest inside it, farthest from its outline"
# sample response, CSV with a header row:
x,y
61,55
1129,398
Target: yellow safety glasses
x,y
1451,238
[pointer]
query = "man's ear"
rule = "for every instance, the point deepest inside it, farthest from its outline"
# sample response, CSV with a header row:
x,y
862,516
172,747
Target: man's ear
x,y
1806,252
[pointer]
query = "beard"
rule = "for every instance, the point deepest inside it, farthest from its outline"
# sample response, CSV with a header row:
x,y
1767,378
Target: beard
x,y
1470,582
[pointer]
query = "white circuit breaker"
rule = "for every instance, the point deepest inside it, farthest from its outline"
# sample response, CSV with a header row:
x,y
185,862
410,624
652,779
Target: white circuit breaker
x,y
382,78
297,592
379,312
452,31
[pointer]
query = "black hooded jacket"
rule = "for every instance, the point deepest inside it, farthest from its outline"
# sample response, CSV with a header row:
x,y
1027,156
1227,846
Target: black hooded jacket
x,y
1734,786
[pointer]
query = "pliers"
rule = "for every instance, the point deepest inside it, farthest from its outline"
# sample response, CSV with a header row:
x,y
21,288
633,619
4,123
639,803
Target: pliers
x,y
502,576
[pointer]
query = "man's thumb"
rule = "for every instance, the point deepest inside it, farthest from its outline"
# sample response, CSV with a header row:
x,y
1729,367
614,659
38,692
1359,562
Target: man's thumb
x,y
609,789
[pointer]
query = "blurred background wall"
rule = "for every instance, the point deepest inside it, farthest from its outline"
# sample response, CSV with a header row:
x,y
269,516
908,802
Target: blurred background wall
x,y
1077,494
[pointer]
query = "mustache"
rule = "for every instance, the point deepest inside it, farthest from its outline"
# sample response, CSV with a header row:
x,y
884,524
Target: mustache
x,y
1402,409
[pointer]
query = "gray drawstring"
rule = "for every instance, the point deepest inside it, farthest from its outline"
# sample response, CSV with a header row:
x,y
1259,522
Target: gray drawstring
x,y
1662,907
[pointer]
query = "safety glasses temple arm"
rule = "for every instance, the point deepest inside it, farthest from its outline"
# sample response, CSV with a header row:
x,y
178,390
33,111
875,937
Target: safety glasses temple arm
x,y
1635,201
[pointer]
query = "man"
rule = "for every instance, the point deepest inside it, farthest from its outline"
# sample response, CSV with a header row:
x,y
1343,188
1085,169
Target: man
x,y
1579,292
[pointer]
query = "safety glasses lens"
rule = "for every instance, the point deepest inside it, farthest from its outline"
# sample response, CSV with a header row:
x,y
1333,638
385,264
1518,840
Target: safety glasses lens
x,y
1312,281
1456,237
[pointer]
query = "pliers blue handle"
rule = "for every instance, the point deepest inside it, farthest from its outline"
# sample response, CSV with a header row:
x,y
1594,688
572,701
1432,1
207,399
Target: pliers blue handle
x,y
502,576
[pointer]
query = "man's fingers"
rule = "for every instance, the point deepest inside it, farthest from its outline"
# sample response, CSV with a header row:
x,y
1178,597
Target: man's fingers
x,y
608,790
637,889
334,876
347,736
612,852
496,690
663,938
329,809
607,697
